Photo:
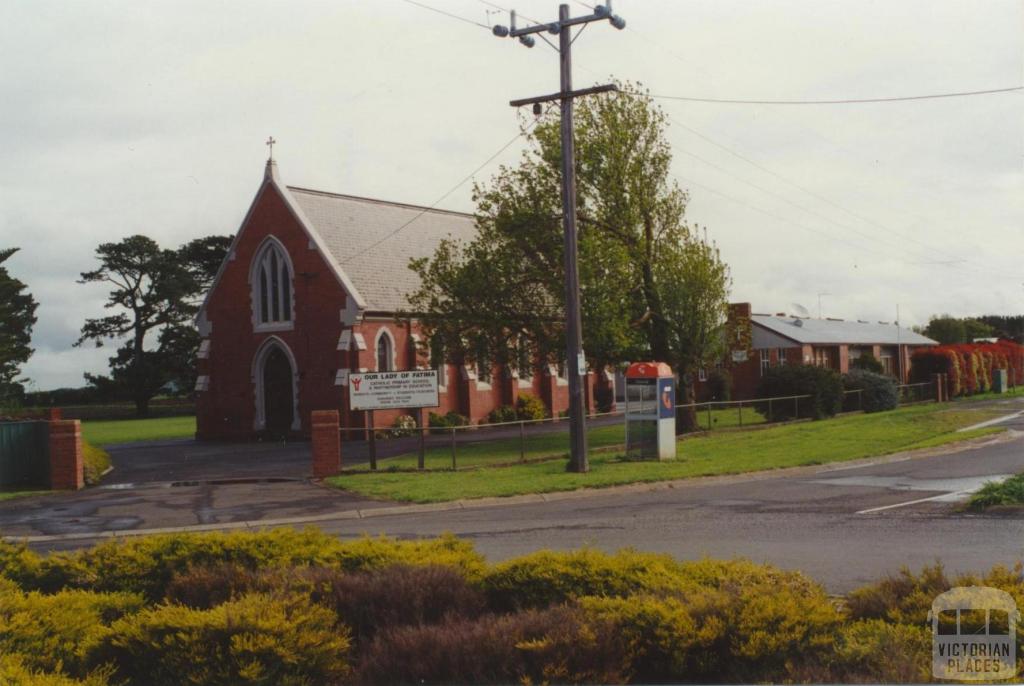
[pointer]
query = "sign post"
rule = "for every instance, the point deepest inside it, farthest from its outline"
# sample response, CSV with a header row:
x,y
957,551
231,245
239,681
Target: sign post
x,y
414,389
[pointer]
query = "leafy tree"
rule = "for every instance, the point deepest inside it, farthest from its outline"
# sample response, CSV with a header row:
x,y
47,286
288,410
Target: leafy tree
x,y
17,317
949,330
693,288
153,291
649,287
1006,326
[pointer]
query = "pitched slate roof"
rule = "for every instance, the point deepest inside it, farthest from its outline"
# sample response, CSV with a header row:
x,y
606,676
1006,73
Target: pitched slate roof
x,y
349,225
834,331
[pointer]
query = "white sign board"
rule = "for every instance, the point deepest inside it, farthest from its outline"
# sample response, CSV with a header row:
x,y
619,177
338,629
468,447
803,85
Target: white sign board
x,y
739,355
393,390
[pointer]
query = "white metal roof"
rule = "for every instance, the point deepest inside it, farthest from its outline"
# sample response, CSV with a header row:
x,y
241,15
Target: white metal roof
x,y
837,331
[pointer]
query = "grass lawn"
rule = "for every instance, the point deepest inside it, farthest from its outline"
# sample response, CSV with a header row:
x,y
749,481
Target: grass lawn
x,y
843,438
998,493
9,495
484,453
131,430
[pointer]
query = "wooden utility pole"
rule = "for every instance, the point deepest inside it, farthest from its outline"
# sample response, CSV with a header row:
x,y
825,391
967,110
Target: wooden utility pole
x,y
576,366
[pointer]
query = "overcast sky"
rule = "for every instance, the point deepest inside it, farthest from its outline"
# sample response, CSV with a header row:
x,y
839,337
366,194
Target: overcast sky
x,y
146,117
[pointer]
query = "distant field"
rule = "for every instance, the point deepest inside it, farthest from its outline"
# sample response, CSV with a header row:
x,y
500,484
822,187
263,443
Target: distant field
x,y
132,430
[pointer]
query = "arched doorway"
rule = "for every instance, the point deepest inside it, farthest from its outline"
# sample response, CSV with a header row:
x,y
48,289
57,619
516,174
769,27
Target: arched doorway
x,y
278,398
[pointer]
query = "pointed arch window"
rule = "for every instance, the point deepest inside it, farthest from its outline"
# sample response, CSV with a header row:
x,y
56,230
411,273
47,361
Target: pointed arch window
x,y
385,350
272,286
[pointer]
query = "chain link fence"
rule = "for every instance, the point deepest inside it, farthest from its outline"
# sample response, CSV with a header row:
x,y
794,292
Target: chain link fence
x,y
505,443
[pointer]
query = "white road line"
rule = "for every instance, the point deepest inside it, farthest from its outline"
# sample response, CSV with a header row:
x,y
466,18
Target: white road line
x,y
997,420
913,502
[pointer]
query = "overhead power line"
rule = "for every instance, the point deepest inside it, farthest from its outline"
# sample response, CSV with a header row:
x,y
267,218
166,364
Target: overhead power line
x,y
441,199
842,101
447,14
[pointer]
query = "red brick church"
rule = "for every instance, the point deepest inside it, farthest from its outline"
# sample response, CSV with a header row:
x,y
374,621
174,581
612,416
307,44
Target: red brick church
x,y
309,291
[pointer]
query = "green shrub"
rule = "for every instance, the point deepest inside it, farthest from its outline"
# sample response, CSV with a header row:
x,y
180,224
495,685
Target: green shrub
x,y
50,631
739,631
368,600
547,578
14,672
996,493
146,564
399,595
439,423
878,392
720,385
824,386
526,647
604,397
876,651
530,408
373,553
404,425
95,461
256,639
903,598
505,413
868,363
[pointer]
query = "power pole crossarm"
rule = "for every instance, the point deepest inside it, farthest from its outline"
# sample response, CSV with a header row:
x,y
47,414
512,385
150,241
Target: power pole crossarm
x,y
575,360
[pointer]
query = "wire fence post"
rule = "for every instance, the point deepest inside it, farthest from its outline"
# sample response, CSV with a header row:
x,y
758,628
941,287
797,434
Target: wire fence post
x,y
796,407
709,416
423,442
373,440
522,441
453,448
740,408
769,410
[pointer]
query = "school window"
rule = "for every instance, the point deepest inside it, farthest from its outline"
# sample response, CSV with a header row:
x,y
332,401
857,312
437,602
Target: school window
x,y
702,374
766,359
780,356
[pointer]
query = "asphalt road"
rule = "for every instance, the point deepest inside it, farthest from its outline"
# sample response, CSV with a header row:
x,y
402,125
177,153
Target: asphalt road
x,y
845,524
825,523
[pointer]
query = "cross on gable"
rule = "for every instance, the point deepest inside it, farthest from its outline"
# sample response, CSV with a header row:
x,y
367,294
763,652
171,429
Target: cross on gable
x,y
270,144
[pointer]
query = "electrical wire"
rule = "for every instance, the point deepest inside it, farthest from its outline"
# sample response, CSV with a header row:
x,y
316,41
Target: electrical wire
x,y
451,190
888,230
844,101
447,14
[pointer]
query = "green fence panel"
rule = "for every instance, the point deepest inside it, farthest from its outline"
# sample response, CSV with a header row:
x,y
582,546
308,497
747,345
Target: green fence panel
x,y
24,455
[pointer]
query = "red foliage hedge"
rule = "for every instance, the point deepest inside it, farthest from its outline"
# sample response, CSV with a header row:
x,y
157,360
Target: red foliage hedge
x,y
969,366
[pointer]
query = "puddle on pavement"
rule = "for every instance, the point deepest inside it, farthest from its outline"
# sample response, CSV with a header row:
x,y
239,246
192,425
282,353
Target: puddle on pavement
x,y
967,484
207,482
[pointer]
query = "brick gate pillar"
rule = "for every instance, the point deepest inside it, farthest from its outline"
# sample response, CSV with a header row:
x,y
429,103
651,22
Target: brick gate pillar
x,y
326,442
66,470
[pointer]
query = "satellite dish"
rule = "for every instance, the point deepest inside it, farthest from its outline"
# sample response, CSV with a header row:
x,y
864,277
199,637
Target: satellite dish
x,y
800,310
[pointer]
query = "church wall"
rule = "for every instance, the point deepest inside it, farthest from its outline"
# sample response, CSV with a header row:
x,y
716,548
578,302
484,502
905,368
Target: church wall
x,y
228,408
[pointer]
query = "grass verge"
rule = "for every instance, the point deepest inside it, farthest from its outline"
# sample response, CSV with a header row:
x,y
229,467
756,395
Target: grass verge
x,y
998,494
95,461
484,453
104,433
10,495
844,438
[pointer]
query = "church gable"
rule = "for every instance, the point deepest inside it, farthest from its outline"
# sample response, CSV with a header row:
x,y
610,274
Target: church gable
x,y
275,227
